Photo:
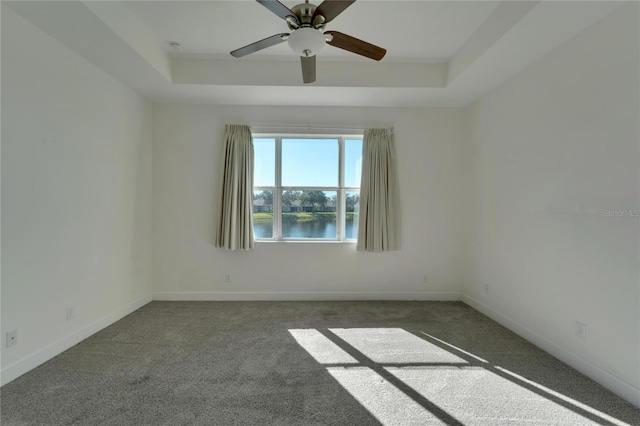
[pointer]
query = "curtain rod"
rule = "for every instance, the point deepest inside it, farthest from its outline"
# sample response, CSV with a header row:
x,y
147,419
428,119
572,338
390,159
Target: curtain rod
x,y
307,127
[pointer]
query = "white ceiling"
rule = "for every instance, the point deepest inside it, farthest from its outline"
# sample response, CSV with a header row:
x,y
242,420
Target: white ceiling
x,y
428,31
439,53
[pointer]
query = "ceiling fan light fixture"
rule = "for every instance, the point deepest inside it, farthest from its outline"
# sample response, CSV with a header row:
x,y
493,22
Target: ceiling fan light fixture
x,y
306,42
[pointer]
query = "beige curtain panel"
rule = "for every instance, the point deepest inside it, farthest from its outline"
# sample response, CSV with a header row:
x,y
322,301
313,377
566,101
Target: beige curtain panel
x,y
235,226
377,225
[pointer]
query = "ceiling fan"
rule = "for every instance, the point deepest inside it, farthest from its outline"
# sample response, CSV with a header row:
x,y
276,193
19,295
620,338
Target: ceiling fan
x,y
307,22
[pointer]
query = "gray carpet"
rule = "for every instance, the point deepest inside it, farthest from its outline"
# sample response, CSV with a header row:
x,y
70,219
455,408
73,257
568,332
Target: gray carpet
x,y
308,363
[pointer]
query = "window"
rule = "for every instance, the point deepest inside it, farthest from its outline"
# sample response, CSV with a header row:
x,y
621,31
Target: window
x,y
306,187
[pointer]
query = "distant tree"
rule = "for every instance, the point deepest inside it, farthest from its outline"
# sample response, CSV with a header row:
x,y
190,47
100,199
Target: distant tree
x,y
267,196
352,201
289,197
315,199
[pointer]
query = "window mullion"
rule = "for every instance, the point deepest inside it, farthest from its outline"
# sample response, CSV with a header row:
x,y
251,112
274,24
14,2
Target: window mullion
x,y
341,162
277,196
340,222
340,219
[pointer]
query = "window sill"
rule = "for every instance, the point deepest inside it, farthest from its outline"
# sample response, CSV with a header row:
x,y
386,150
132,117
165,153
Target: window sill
x,y
307,241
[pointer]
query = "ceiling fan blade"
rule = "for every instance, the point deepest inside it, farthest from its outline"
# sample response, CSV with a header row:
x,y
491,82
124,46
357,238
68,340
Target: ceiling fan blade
x,y
355,45
308,68
259,45
279,9
332,8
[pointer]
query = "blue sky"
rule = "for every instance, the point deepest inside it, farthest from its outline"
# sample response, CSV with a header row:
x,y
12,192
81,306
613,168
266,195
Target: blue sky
x,y
307,162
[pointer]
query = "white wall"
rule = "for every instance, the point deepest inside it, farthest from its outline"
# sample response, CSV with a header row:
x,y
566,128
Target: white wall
x,y
188,143
556,148
76,196
550,151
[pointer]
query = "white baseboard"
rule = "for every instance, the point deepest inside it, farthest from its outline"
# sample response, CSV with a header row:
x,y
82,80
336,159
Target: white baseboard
x,y
33,360
304,295
616,385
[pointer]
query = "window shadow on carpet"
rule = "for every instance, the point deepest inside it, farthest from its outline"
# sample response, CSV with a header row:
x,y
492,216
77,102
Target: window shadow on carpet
x,y
403,376
308,363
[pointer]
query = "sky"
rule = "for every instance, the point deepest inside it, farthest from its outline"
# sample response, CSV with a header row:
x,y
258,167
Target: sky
x,y
307,162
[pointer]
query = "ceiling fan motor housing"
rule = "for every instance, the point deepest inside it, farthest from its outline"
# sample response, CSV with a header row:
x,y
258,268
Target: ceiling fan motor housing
x,y
304,12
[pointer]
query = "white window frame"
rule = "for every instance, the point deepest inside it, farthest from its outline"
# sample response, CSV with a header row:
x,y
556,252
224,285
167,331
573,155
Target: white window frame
x,y
278,189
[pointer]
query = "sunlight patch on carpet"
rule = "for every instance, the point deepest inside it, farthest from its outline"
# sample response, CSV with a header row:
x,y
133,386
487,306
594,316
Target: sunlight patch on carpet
x,y
320,348
386,402
403,378
394,345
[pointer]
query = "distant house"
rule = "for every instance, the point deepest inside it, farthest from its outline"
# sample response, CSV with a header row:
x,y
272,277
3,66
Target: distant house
x,y
294,207
330,206
259,206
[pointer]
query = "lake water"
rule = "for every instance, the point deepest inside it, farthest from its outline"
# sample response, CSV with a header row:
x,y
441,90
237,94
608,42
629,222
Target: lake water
x,y
305,229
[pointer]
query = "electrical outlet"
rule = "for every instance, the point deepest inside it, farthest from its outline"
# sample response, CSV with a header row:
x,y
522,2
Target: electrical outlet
x,y
425,279
581,330
71,313
227,278
12,337
486,289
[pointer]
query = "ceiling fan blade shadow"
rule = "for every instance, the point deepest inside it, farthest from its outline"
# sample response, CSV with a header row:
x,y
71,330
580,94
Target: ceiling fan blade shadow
x,y
332,8
308,69
259,45
278,8
354,45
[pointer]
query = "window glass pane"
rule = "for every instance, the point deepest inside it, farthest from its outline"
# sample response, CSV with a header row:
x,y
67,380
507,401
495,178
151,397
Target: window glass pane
x,y
310,162
309,214
352,207
352,162
264,164
263,214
